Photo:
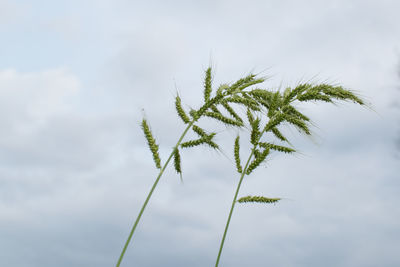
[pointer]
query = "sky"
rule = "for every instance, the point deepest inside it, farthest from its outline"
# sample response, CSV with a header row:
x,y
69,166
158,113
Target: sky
x,y
77,77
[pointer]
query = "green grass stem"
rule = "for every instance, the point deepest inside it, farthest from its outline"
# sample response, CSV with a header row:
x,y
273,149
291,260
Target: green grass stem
x,y
151,193
233,206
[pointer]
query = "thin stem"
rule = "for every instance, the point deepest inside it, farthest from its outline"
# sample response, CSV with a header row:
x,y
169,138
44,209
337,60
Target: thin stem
x,y
150,193
232,207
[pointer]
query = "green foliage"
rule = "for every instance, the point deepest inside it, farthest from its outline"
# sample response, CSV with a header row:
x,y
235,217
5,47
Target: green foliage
x,y
152,143
258,199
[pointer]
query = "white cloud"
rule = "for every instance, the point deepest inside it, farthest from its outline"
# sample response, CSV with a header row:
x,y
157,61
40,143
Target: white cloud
x,y
30,98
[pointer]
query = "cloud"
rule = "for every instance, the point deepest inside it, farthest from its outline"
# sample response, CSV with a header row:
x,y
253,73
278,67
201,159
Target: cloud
x,y
74,167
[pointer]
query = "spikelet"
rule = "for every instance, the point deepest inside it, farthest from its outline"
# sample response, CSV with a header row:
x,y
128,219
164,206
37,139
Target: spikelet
x,y
278,134
261,94
258,199
248,102
206,106
296,91
265,102
253,104
257,153
193,113
177,162
314,96
223,87
237,155
152,143
249,83
301,125
199,131
277,147
274,121
231,111
215,109
180,110
286,93
290,110
275,101
257,161
255,131
250,116
340,93
207,85
223,119
207,139
241,82
210,142
193,143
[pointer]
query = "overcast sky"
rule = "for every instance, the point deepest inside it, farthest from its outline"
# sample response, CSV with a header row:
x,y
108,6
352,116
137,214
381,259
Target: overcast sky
x,y
75,77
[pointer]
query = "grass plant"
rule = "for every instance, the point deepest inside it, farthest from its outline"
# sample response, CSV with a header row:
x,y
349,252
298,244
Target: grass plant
x,y
224,97
267,112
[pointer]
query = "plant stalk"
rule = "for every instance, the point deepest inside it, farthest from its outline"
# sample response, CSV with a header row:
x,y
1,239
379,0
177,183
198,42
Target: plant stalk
x,y
151,192
232,207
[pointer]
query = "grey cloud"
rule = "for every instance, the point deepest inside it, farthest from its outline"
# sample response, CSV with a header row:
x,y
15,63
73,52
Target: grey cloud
x,y
73,181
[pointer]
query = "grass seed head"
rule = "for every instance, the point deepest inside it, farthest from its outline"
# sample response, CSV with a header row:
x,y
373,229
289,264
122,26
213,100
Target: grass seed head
x,y
207,85
278,134
257,160
152,143
237,155
180,111
258,199
177,161
224,119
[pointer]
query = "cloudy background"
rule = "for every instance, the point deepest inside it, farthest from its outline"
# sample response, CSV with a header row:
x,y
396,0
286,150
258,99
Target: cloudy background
x,y
75,77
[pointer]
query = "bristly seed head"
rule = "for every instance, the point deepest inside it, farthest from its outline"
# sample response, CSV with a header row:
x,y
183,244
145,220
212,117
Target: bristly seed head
x,y
258,199
207,85
152,143
237,155
180,111
177,162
